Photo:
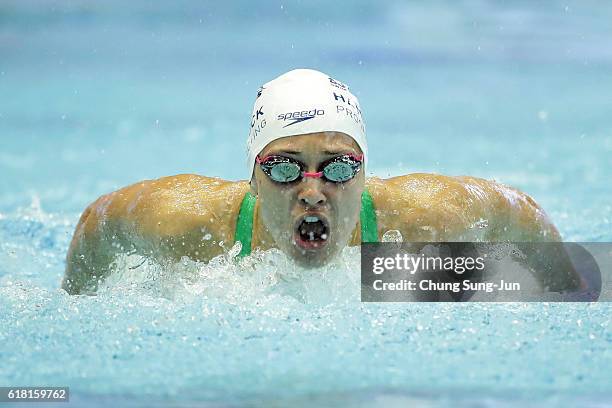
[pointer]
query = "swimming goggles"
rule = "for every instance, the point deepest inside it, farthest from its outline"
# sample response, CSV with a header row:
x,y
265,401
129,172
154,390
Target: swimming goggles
x,y
285,169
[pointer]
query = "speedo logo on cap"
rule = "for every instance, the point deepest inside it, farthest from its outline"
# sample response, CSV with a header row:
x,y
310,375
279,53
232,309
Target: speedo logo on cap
x,y
297,117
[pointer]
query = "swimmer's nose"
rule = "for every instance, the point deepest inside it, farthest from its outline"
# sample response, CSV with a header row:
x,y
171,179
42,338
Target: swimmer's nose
x,y
311,195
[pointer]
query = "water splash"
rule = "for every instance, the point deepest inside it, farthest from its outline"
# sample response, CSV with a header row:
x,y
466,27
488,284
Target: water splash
x,y
255,278
261,326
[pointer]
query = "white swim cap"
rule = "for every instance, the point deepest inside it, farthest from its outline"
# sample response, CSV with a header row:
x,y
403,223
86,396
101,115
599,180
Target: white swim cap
x,y
299,102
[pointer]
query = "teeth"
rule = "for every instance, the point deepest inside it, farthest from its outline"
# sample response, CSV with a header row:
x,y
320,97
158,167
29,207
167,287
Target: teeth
x,y
311,218
323,236
311,235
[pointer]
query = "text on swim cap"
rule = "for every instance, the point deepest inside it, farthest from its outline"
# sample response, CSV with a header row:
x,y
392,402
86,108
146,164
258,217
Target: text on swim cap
x,y
347,100
256,115
354,115
337,84
302,114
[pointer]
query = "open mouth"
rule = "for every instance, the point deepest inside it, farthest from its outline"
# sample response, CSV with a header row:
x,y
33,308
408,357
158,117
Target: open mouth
x,y
311,231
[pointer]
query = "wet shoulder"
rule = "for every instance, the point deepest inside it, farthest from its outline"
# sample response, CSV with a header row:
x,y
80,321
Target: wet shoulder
x,y
173,205
429,206
415,190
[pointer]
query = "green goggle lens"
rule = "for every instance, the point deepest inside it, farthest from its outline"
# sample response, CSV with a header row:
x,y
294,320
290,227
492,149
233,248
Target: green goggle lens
x,y
285,172
339,172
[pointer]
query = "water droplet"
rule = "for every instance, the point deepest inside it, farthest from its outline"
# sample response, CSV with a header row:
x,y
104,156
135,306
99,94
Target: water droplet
x,y
543,115
481,223
392,236
235,250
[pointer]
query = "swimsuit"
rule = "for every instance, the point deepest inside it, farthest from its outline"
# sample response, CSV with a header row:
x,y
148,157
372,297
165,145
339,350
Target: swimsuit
x,y
244,224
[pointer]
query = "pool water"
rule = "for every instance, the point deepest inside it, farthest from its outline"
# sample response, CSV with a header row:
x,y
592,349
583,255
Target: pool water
x,y
98,95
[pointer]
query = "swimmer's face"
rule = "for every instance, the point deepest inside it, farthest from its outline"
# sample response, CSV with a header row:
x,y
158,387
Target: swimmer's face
x,y
285,208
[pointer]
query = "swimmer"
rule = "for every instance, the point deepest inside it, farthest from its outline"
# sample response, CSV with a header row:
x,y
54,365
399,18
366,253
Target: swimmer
x,y
308,196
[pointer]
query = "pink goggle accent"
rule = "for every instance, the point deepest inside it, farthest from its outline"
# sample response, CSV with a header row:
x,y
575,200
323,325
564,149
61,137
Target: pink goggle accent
x,y
317,174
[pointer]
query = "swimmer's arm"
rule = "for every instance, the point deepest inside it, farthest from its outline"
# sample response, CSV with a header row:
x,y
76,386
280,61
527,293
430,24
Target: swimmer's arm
x,y
163,219
105,230
514,216
90,253
526,223
436,208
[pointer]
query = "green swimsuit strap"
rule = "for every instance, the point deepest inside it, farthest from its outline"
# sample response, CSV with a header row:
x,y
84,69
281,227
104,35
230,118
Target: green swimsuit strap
x,y
369,226
244,224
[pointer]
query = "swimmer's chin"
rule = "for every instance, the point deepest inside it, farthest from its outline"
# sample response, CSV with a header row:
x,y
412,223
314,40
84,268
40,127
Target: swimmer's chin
x,y
312,258
311,261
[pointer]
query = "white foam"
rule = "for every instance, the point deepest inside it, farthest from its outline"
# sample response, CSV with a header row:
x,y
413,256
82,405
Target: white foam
x,y
257,277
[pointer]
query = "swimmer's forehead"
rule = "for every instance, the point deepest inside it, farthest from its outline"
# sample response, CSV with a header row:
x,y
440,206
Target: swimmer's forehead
x,y
325,143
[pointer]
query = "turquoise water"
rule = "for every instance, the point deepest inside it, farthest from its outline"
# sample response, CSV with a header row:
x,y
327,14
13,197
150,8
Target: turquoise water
x,y
99,95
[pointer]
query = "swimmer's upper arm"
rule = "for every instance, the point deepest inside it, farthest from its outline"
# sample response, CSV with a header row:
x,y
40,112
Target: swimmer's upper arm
x,y
165,218
529,220
89,255
538,239
433,208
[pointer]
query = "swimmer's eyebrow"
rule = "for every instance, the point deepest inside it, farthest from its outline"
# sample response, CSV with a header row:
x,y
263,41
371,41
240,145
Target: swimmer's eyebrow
x,y
325,152
286,151
338,153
